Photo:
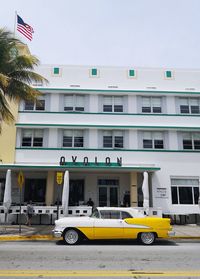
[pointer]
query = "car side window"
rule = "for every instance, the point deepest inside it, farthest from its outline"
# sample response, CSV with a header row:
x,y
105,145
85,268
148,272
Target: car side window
x,y
125,215
110,214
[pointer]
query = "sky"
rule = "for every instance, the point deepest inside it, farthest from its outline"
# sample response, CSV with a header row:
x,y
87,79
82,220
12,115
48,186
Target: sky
x,y
136,33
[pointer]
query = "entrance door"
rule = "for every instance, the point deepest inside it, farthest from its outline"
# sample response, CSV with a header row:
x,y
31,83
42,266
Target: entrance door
x,y
108,193
76,192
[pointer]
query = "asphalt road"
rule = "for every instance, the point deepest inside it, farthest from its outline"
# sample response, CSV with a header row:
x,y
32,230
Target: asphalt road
x,y
50,259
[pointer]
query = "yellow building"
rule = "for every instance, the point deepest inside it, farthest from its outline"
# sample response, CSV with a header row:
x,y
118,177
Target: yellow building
x,y
8,139
8,134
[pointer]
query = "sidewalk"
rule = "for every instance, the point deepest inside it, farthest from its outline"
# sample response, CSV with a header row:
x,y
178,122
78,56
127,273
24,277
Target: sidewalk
x,y
34,232
44,232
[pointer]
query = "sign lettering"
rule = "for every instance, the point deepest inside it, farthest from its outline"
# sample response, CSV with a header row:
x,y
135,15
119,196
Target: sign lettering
x,y
86,162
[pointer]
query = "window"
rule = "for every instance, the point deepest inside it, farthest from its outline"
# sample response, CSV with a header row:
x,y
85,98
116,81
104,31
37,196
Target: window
x,y
185,191
131,73
126,215
76,191
151,104
2,188
110,214
32,138
153,140
29,105
73,138
191,141
35,190
112,104
34,105
94,72
189,105
108,192
168,74
108,182
56,71
74,103
113,139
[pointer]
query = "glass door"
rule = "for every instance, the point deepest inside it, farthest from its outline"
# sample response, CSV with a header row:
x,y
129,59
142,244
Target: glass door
x,y
103,196
108,192
76,192
113,197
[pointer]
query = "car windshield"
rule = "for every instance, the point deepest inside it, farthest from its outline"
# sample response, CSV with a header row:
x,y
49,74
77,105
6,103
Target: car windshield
x,y
95,214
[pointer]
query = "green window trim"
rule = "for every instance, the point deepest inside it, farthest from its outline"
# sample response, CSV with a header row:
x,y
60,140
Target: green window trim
x,y
110,113
64,167
168,74
117,91
56,71
110,149
94,72
131,73
108,126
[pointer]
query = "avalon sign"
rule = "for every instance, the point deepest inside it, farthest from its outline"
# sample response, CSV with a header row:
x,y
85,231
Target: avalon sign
x,y
86,162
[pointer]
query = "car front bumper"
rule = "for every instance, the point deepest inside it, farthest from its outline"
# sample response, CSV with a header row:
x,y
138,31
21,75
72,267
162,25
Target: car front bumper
x,y
57,233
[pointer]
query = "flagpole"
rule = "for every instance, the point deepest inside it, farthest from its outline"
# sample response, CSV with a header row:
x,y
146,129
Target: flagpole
x,y
15,22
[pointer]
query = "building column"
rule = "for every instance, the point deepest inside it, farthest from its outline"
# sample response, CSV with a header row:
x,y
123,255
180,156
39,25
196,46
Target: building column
x,y
133,190
50,188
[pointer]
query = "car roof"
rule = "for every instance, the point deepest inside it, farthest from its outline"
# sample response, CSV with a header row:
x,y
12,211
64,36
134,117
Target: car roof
x,y
135,212
113,208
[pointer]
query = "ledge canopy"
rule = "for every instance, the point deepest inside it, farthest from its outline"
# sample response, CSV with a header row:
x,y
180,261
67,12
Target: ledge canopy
x,y
78,165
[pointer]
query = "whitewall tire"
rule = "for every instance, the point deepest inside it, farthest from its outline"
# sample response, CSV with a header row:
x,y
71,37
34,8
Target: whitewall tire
x,y
147,238
72,237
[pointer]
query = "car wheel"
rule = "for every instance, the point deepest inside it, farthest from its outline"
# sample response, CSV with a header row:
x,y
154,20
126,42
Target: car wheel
x,y
147,238
71,237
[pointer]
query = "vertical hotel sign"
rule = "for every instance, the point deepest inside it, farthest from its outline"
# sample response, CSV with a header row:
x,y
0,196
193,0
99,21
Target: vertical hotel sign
x,y
20,179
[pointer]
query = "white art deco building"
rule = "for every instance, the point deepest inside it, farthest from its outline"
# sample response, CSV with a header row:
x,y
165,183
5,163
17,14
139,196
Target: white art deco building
x,y
108,126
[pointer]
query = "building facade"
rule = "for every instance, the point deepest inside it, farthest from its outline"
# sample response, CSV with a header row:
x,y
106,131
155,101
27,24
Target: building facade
x,y
107,126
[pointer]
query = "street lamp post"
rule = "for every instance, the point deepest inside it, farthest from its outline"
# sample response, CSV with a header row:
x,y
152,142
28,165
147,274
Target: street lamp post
x,y
20,180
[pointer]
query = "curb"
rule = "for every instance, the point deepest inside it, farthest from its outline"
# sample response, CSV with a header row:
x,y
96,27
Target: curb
x,y
28,237
184,237
52,238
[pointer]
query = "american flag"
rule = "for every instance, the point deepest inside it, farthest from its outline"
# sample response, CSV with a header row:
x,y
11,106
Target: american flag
x,y
24,28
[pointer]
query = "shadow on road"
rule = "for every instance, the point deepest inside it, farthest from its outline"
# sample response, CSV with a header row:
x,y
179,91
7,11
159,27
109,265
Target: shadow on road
x,y
159,242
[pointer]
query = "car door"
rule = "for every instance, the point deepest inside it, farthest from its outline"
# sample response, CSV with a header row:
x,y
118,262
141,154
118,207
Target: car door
x,y
131,229
109,225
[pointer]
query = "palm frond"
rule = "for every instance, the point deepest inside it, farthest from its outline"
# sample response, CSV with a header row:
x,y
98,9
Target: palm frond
x,y
5,113
18,90
27,76
4,80
26,62
16,74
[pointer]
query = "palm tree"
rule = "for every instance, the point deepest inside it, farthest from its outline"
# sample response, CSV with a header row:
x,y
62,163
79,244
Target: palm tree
x,y
16,74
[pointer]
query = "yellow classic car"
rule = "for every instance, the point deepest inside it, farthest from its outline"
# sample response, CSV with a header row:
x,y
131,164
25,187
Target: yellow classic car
x,y
113,223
